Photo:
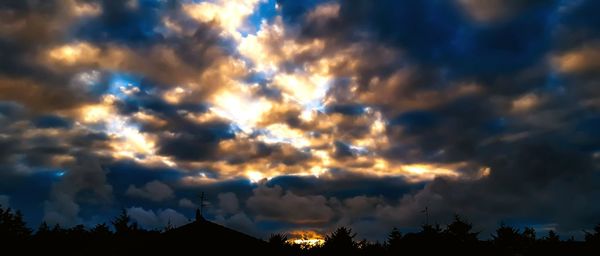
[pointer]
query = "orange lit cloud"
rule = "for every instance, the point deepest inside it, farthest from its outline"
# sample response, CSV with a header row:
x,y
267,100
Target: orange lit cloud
x,y
578,60
306,238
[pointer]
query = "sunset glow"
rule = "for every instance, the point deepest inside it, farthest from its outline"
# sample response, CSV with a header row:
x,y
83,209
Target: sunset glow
x,y
306,238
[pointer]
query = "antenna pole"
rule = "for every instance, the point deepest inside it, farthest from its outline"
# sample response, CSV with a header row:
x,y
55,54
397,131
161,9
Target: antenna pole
x,y
200,209
202,204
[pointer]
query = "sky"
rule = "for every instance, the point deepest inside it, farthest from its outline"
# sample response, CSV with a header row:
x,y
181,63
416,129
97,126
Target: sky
x,y
302,116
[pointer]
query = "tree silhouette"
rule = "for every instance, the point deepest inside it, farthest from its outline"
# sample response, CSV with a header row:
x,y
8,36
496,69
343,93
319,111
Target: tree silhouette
x,y
102,231
57,230
43,230
552,237
77,233
529,234
123,225
169,226
431,230
508,239
43,233
394,241
278,239
279,245
341,241
370,248
430,233
506,235
460,231
593,237
12,226
78,230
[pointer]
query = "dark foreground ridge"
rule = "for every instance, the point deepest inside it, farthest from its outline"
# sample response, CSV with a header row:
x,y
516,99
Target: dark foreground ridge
x,y
213,237
203,237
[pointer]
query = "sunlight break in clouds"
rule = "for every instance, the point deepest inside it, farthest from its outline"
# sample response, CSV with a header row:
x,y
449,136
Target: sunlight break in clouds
x,y
71,54
241,107
126,139
230,15
306,238
305,88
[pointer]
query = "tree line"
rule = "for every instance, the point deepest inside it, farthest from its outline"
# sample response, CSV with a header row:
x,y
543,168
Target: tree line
x,y
456,238
124,237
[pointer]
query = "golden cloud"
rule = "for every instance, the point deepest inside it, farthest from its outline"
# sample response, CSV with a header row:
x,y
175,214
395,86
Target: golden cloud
x,y
582,59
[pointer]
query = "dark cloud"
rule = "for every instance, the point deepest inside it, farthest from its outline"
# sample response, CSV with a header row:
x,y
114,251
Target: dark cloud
x,y
244,152
10,109
342,184
124,22
578,23
228,202
497,11
8,148
41,95
50,121
346,109
158,106
124,173
272,203
343,150
30,28
85,178
417,121
154,190
200,143
450,132
242,222
157,219
4,201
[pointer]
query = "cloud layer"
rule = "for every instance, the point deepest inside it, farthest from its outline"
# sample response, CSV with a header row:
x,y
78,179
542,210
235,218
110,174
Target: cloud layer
x,y
302,115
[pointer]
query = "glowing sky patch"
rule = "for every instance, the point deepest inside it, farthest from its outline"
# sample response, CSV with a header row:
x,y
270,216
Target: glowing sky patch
x,y
241,107
126,139
281,133
307,91
72,53
87,9
306,238
95,113
230,15
255,176
175,95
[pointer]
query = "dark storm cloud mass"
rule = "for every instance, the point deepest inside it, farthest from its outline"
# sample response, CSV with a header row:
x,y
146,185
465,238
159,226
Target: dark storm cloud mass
x,y
351,110
201,143
50,121
119,23
329,113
